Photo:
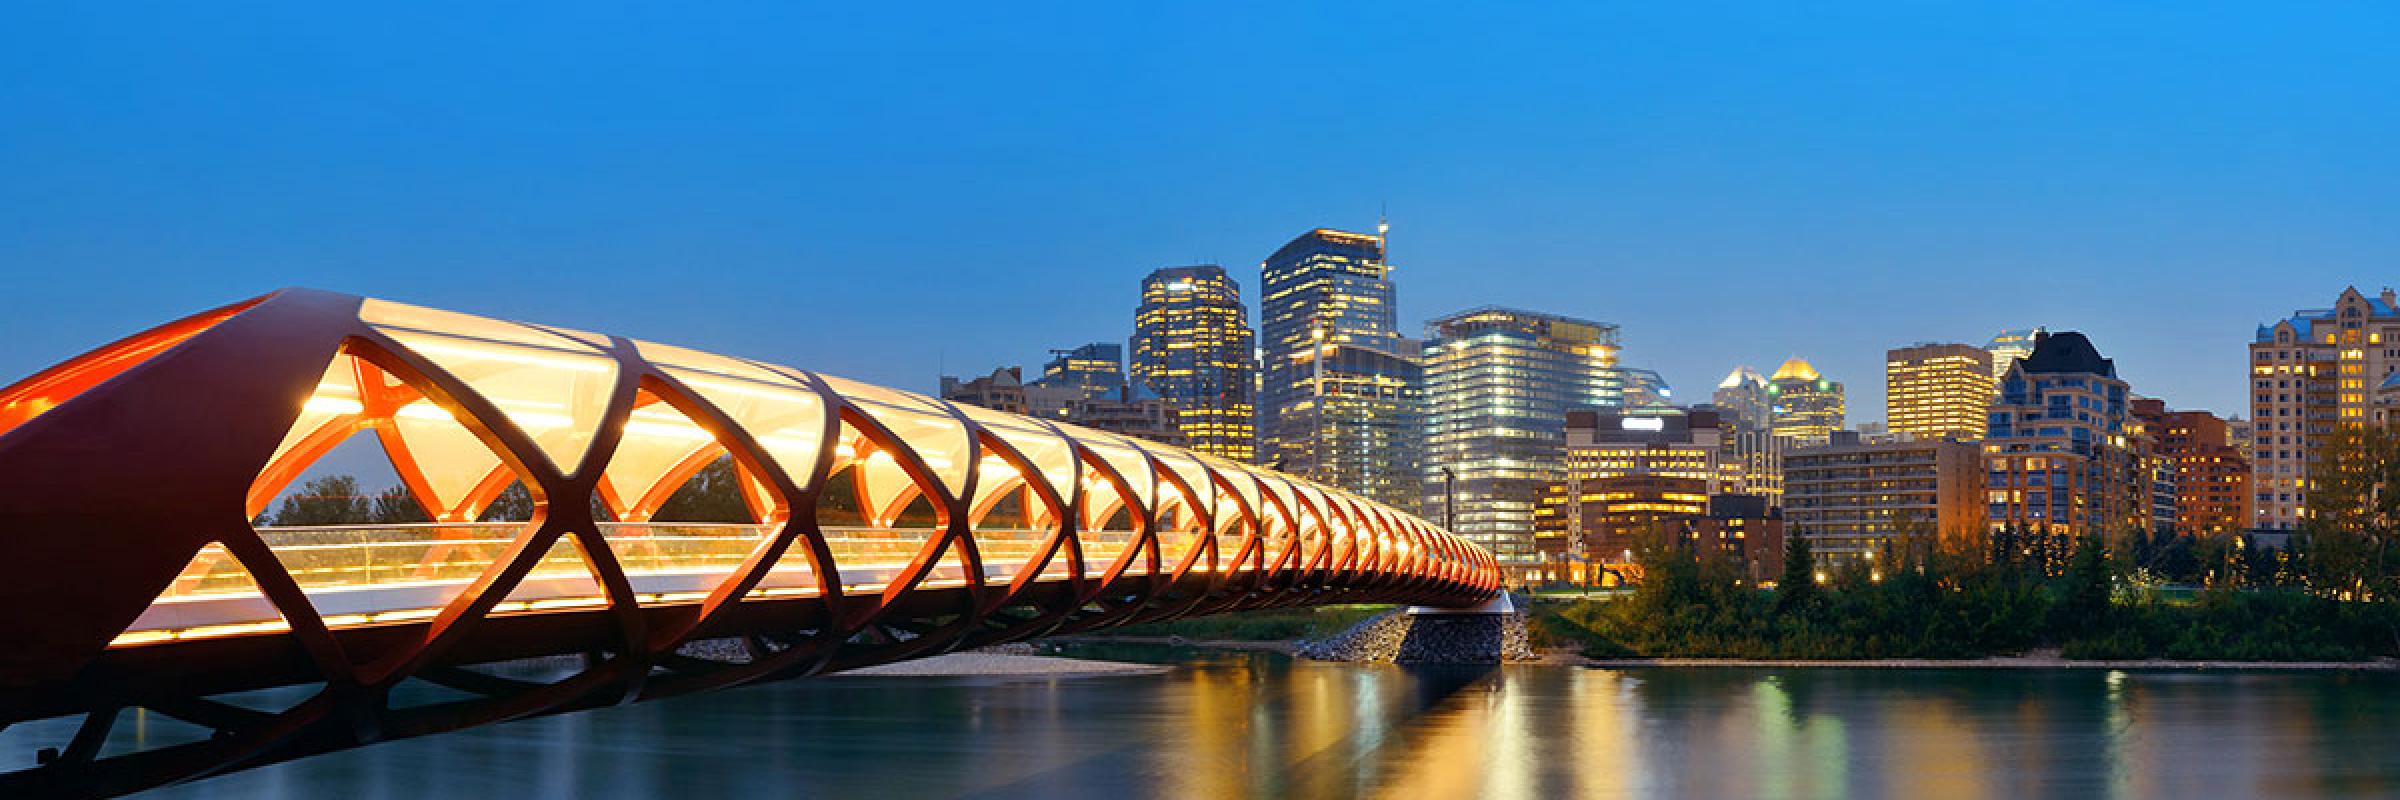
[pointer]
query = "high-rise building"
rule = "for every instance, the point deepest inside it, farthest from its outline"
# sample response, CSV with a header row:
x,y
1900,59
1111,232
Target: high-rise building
x,y
1645,388
1747,434
1192,347
2062,450
1805,406
1854,499
2311,374
2008,346
1499,386
1936,390
1341,390
2209,477
1742,397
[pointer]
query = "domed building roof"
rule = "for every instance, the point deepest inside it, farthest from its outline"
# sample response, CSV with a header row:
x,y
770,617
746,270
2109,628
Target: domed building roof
x,y
1796,369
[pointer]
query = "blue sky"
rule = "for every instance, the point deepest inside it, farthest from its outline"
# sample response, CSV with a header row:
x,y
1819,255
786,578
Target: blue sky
x,y
883,195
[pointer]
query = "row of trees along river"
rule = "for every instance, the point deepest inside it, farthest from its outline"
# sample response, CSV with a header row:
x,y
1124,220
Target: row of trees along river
x,y
2329,593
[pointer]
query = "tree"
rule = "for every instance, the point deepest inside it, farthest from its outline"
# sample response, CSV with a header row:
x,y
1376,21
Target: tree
x,y
714,494
1796,588
514,504
325,500
398,506
2353,509
2083,603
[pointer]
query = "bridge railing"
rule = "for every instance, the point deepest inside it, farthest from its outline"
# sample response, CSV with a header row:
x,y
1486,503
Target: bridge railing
x,y
363,574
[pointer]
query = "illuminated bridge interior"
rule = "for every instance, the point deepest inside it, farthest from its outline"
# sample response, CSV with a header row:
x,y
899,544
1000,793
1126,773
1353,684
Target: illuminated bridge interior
x,y
679,521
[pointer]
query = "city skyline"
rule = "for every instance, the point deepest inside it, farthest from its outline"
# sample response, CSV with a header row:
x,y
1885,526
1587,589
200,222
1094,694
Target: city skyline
x,y
1856,181
610,400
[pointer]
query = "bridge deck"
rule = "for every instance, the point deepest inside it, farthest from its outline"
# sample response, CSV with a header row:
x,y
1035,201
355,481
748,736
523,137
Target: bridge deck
x,y
371,574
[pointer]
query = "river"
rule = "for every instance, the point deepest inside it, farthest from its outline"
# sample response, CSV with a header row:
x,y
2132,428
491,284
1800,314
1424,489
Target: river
x,y
1235,724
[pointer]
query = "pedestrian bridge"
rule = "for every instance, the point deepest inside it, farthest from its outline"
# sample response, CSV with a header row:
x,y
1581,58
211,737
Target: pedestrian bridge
x,y
347,494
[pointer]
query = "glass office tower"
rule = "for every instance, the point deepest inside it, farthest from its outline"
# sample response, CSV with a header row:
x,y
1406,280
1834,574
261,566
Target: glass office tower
x,y
1340,390
1192,347
1498,385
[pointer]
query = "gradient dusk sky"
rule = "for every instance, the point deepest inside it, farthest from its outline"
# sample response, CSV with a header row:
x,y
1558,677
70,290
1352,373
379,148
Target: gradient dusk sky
x,y
886,195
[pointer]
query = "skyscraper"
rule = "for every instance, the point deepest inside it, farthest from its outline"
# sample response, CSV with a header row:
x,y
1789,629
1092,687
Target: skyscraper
x,y
1752,451
2310,375
2008,346
1192,347
1341,389
1805,407
1499,384
1936,390
2062,455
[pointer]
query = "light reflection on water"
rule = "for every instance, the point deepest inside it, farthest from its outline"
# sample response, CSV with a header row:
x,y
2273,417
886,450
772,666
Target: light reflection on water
x,y
1234,725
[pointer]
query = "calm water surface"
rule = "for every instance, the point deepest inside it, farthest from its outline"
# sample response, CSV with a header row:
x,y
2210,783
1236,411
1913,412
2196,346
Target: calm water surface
x,y
1227,725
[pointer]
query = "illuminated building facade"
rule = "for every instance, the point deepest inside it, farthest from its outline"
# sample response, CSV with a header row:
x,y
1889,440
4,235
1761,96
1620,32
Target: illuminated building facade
x,y
1594,526
2062,447
1854,499
2210,477
2310,374
1341,393
1936,390
1675,443
1645,388
1192,347
1805,407
2008,346
1500,384
1096,370
1747,433
1747,529
1742,397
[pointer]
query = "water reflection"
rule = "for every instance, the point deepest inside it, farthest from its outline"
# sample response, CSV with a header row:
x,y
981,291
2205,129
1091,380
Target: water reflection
x,y
1230,725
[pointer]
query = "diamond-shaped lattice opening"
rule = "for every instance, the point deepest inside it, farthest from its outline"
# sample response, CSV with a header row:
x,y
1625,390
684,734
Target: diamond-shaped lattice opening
x,y
1013,523
1287,524
687,513
1343,540
381,503
1231,527
551,384
1109,525
1185,498
876,517
1308,511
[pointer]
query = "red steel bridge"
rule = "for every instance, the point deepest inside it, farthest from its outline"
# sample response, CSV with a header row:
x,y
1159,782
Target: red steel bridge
x,y
537,514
